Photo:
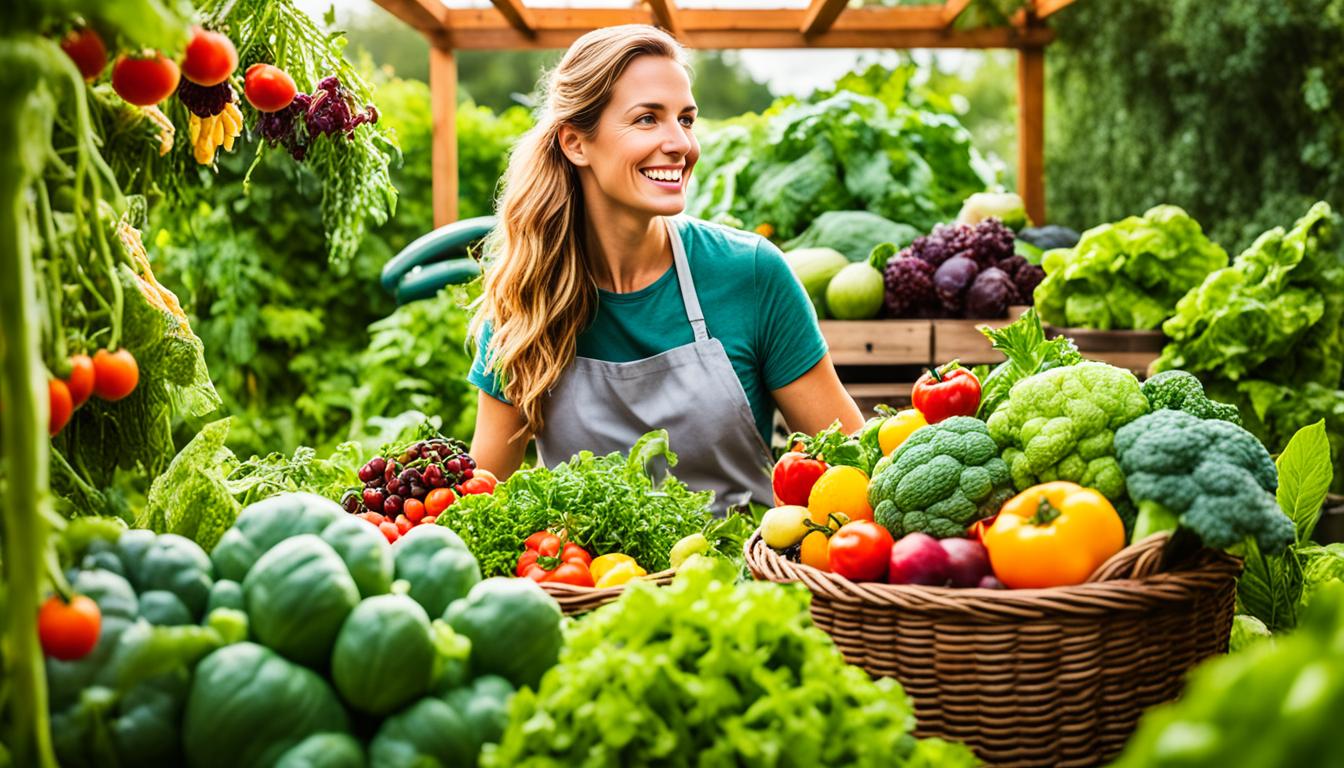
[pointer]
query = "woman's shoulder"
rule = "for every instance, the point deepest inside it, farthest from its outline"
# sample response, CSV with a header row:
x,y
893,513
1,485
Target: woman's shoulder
x,y
730,247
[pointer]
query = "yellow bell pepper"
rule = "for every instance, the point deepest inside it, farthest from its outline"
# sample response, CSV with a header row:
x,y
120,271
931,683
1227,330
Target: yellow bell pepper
x,y
601,565
621,573
1052,535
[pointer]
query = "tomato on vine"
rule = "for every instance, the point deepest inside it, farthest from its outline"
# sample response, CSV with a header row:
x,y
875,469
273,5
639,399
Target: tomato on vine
x,y
115,374
144,80
80,381
85,46
68,631
210,58
268,88
58,396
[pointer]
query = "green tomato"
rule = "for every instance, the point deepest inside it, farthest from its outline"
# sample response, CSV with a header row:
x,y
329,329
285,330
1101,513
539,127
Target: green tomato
x,y
695,544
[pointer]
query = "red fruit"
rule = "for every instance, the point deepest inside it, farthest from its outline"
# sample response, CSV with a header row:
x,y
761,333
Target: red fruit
x,y
414,510
946,391
389,531
793,477
85,47
115,374
861,551
268,88
403,524
209,59
438,500
918,559
967,562
80,382
68,631
373,517
58,396
144,80
476,485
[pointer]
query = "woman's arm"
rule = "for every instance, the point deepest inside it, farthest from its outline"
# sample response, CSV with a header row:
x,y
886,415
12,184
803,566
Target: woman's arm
x,y
812,401
493,446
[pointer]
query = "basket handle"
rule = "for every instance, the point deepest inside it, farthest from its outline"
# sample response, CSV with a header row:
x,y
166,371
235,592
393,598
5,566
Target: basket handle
x,y
1139,560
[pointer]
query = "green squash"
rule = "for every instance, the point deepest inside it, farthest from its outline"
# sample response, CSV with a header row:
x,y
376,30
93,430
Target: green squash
x,y
163,608
484,706
513,626
248,707
266,523
167,562
428,734
437,565
324,750
297,596
226,593
365,551
384,656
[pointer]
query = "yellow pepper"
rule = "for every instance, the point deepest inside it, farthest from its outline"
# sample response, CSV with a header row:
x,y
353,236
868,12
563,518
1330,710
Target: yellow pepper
x,y
897,428
1052,535
601,565
620,573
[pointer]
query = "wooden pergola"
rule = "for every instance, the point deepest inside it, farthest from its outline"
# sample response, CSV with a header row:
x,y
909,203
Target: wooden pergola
x,y
514,24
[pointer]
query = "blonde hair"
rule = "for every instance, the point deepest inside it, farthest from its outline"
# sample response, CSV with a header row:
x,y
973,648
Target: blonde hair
x,y
539,291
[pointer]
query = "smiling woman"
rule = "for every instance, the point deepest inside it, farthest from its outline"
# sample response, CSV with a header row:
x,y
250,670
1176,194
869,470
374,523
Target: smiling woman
x,y
607,315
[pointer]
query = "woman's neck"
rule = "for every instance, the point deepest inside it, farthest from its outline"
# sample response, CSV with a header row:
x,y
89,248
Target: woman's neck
x,y
629,251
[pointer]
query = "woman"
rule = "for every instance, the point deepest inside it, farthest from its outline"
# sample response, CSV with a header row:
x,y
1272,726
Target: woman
x,y
603,317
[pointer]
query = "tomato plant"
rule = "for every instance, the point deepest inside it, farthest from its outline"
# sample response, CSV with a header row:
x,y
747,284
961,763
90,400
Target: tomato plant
x,y
210,58
268,88
68,631
85,46
145,80
60,406
80,382
115,374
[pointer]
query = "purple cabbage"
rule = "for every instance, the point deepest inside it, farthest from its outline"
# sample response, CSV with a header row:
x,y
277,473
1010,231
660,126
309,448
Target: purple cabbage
x,y
990,294
951,280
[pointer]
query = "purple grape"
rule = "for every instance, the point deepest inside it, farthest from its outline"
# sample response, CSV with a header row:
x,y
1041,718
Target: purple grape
x,y
373,499
468,461
391,470
467,474
453,466
392,505
433,476
395,485
409,476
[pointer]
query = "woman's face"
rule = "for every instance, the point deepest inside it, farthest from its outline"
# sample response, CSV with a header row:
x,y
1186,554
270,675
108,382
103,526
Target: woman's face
x,y
641,155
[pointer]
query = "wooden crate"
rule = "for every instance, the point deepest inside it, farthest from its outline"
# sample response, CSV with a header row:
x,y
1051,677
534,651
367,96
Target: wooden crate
x,y
878,342
962,340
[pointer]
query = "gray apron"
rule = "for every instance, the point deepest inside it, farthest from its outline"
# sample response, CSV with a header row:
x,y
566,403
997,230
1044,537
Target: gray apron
x,y
691,391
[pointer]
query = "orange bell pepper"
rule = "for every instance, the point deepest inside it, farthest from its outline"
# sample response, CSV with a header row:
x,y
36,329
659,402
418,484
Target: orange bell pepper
x,y
1052,535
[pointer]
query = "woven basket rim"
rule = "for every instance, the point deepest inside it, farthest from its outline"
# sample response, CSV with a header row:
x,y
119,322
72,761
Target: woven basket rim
x,y
576,592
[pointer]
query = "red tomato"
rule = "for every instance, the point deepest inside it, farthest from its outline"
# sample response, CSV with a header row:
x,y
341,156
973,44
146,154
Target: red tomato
x,y
475,486
404,525
946,391
549,546
209,59
268,88
429,520
68,630
144,80
414,509
390,531
373,517
570,573
526,561
58,397
438,500
794,475
85,47
861,551
573,553
80,382
534,541
115,374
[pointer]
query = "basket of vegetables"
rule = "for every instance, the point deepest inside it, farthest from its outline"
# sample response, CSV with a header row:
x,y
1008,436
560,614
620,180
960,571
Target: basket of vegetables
x,y
1038,557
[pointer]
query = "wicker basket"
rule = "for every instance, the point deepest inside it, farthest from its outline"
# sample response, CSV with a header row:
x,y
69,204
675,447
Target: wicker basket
x,y
575,600
1033,676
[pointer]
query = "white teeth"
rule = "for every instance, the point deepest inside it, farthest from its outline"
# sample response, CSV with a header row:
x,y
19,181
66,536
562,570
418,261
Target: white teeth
x,y
660,174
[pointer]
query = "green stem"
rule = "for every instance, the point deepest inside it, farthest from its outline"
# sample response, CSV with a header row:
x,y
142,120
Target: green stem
x,y
26,63
1046,513
54,296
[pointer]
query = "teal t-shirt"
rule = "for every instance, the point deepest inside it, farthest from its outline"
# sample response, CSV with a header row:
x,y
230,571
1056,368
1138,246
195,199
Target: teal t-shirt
x,y
753,304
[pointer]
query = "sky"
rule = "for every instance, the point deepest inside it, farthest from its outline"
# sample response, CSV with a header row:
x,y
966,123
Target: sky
x,y
792,71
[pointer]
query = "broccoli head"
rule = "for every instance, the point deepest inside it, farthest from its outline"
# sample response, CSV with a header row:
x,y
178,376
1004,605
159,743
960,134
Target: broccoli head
x,y
943,478
1060,425
1208,476
1181,391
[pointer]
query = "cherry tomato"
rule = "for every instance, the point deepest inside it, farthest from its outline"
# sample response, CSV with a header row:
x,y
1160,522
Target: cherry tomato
x,y
429,520
209,59
144,80
58,397
115,374
861,551
476,485
946,391
268,88
390,531
80,382
403,524
85,47
414,509
438,500
486,475
68,630
373,517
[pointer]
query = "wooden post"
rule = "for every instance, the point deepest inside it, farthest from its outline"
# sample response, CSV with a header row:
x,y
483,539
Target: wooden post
x,y
443,105
1031,131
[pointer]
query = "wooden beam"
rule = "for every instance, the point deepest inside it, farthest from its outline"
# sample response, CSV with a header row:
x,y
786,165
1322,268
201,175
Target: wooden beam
x,y
443,106
896,19
518,17
1044,8
428,17
953,9
666,14
820,16
1031,131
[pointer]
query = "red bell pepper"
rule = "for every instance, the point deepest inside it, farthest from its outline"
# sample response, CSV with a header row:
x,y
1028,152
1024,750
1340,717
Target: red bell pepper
x,y
946,391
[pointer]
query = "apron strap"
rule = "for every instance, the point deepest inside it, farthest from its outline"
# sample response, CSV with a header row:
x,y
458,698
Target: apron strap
x,y
688,296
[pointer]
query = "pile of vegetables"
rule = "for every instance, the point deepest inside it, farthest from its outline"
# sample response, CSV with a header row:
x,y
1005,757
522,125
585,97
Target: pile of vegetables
x,y
415,485
733,674
303,638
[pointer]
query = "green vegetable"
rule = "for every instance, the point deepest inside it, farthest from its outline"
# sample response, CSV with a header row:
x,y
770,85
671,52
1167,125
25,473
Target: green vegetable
x,y
164,608
324,750
248,707
365,552
1181,391
430,733
484,705
1247,631
297,596
695,544
384,655
852,233
606,504
1128,274
1270,704
513,626
266,523
225,594
1210,477
168,562
814,268
437,565
944,477
715,672
855,293
1060,425
190,497
1023,342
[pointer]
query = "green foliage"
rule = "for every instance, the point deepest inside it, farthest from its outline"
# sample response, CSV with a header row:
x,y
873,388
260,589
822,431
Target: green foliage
x,y
1028,353
1230,110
